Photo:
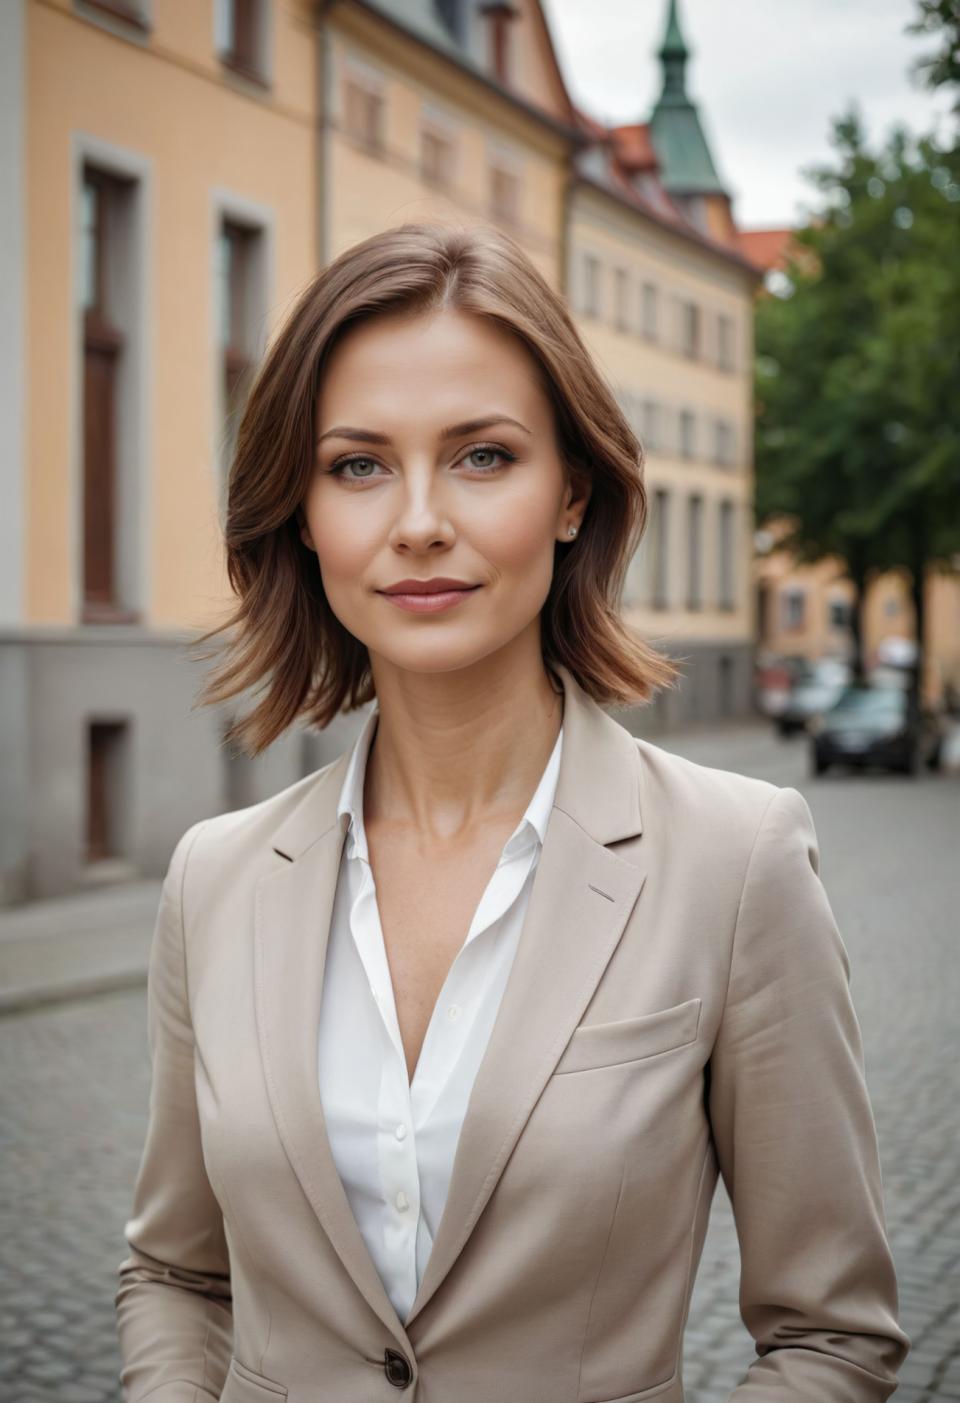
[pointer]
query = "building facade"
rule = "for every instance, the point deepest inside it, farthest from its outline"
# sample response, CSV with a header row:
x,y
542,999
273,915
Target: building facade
x,y
181,171
163,157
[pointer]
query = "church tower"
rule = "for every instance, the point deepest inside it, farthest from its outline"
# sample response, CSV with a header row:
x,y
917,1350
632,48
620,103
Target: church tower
x,y
687,170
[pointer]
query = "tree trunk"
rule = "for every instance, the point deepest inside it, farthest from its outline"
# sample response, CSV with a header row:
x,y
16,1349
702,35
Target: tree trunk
x,y
919,542
857,571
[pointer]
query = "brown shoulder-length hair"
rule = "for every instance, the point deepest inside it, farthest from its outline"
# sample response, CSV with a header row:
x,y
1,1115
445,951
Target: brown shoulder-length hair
x,y
283,635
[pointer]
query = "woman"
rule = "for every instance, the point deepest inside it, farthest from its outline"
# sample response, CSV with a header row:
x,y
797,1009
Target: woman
x,y
452,1038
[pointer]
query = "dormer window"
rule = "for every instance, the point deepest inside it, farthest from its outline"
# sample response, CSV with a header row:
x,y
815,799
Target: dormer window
x,y
453,16
499,15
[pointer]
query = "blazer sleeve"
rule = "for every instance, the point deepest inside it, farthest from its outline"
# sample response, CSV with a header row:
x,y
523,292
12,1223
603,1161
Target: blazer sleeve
x,y
174,1304
796,1139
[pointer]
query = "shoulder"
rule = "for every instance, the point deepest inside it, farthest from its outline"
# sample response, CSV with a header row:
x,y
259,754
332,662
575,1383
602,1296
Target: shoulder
x,y
240,841
716,809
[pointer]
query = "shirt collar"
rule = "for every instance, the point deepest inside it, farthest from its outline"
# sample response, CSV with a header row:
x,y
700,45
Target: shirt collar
x,y
532,826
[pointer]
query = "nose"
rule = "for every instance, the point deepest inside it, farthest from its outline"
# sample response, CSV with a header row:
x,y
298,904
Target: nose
x,y
422,516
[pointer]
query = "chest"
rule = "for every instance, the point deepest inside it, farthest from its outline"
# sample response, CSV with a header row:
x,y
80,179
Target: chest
x,y
426,903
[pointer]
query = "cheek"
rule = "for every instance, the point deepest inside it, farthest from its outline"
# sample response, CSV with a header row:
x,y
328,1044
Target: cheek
x,y
344,539
519,539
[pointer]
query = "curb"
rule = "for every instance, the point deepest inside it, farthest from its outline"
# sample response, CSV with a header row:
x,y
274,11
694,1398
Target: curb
x,y
26,998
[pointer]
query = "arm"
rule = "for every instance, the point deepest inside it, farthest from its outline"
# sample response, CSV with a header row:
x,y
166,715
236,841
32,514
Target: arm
x,y
174,1304
796,1139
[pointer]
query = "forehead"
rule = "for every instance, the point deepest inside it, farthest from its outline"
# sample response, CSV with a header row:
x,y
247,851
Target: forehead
x,y
435,363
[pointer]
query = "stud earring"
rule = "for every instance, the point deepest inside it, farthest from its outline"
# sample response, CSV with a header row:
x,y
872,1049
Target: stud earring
x,y
572,531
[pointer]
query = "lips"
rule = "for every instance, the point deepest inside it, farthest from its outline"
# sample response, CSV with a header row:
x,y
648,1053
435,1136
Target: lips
x,y
435,586
428,601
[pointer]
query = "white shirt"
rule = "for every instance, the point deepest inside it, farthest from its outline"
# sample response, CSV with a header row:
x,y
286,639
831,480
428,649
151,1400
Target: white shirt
x,y
393,1143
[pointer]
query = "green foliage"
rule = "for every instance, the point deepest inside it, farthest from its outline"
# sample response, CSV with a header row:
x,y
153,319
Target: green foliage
x,y
858,366
941,67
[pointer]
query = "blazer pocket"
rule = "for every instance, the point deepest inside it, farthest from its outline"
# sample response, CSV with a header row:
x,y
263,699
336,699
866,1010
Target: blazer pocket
x,y
595,1045
242,1385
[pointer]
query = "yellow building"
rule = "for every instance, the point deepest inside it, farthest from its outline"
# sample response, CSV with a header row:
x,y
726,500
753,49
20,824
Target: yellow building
x,y
665,297
181,169
446,110
163,159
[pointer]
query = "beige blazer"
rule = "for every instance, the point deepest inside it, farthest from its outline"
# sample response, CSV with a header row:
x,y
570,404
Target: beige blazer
x,y
679,1006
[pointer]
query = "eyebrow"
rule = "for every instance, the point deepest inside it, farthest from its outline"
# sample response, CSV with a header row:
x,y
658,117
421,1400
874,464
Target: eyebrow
x,y
470,426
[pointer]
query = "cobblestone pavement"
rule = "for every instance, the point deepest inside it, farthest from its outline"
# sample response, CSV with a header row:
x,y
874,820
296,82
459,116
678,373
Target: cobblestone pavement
x,y
74,1092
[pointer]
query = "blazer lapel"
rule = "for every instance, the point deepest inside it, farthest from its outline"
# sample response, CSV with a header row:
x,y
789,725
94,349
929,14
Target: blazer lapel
x,y
582,896
292,924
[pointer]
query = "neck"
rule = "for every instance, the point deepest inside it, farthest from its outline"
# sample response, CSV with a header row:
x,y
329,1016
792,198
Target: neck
x,y
454,750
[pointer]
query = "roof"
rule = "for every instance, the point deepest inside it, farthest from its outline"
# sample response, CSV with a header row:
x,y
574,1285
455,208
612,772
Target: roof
x,y
622,162
766,248
419,20
686,165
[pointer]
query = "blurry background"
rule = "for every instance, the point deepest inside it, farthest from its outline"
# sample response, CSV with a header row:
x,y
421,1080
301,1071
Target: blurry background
x,y
753,211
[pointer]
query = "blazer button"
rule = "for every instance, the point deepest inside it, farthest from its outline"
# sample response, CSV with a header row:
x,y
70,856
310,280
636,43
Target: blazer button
x,y
397,1367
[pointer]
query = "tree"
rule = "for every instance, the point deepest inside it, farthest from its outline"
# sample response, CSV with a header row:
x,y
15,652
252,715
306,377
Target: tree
x,y
858,366
942,67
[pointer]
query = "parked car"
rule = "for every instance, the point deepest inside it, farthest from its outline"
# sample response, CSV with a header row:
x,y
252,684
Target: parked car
x,y
773,678
876,725
815,689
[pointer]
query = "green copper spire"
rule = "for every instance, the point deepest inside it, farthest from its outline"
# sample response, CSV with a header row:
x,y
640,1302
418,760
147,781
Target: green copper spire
x,y
673,40
686,166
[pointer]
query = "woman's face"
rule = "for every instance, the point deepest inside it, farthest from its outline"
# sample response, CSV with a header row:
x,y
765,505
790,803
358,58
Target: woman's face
x,y
407,485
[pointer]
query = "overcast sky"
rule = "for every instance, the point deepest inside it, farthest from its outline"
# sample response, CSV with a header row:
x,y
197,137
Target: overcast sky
x,y
768,76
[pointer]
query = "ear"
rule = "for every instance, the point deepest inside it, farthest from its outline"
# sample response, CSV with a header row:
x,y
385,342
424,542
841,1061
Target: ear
x,y
304,530
579,487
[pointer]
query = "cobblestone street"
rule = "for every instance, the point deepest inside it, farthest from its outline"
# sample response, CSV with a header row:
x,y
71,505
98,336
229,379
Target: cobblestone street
x,y
75,1087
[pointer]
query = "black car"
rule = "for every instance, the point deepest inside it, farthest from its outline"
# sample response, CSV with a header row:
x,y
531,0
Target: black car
x,y
872,725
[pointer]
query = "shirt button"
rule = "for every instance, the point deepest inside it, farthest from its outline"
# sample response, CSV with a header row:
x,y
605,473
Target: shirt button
x,y
400,1131
402,1202
453,1012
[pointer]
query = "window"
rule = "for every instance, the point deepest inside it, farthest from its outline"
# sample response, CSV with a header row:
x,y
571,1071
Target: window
x,y
839,613
690,329
132,12
688,434
108,765
504,194
621,308
727,545
241,310
364,110
437,157
453,15
793,607
723,455
653,425
694,552
633,585
500,17
649,311
107,271
591,285
652,434
630,405
725,685
661,553
724,342
241,36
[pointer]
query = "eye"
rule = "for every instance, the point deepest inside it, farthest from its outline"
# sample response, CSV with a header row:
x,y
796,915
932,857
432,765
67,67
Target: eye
x,y
336,468
492,450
